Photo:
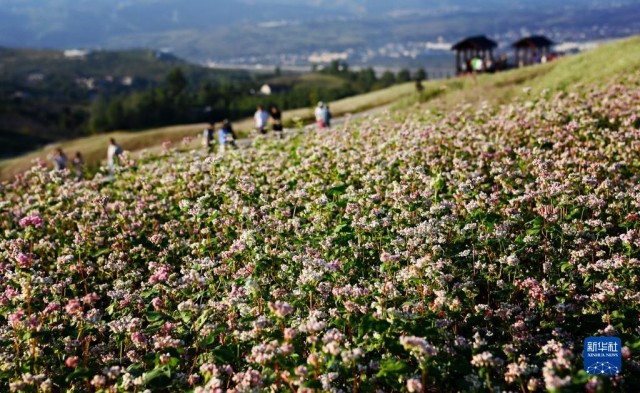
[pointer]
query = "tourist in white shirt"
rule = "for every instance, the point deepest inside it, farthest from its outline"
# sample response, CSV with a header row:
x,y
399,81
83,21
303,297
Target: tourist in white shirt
x,y
261,117
113,154
321,115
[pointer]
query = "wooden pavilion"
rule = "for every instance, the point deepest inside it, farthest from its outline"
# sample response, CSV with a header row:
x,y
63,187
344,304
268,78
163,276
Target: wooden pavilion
x,y
531,50
478,46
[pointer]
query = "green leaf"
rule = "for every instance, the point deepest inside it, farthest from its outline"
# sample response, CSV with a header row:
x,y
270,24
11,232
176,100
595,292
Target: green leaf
x,y
79,373
224,354
314,384
339,228
153,316
209,340
136,370
149,293
201,321
100,252
336,191
186,316
369,324
389,368
159,377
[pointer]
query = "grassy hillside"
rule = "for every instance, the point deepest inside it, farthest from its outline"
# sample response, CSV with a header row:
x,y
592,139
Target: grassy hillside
x,y
597,66
94,147
472,249
313,80
46,97
148,65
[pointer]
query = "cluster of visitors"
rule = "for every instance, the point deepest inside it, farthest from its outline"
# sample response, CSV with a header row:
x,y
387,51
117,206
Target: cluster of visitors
x,y
261,118
226,136
61,160
323,115
476,65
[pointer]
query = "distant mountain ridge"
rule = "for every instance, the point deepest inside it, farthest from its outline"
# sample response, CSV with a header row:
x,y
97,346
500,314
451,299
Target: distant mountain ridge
x,y
200,29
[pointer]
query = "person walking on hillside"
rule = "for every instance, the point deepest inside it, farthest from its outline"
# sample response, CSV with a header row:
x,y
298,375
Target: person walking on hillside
x,y
276,119
261,118
327,116
226,136
113,154
226,124
78,164
477,66
60,160
207,137
321,115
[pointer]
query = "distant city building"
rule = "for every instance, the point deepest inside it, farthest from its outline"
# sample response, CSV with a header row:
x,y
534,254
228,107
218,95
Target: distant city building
x,y
327,57
76,53
269,89
127,81
87,83
165,54
35,77
265,90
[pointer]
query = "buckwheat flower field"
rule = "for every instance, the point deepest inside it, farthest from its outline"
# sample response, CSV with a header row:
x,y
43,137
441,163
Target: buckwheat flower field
x,y
469,250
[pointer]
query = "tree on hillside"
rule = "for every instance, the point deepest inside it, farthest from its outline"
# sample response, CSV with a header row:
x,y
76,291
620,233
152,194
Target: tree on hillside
x,y
387,79
421,75
404,75
115,115
337,67
366,78
176,82
98,121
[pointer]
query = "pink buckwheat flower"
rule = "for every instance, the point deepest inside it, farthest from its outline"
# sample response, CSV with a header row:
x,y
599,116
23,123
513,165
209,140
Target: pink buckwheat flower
x,y
414,385
33,220
72,361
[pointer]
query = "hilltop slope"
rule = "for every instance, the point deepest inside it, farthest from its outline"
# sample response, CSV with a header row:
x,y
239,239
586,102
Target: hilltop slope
x,y
471,248
599,66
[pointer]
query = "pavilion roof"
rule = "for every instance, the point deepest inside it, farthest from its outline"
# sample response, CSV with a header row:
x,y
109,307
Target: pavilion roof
x,y
477,42
535,41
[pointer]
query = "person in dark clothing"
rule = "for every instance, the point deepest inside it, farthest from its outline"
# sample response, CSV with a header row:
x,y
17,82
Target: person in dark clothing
x,y
207,136
78,164
60,160
327,116
226,136
276,120
226,124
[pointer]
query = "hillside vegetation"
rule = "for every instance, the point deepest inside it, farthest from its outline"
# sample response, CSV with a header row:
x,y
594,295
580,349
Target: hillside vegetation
x,y
466,249
444,247
149,65
597,66
46,97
